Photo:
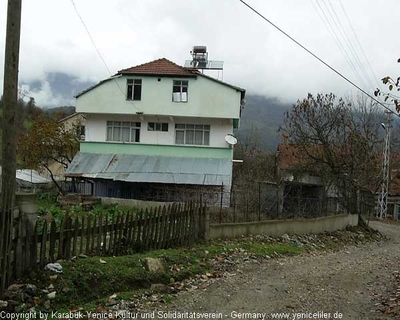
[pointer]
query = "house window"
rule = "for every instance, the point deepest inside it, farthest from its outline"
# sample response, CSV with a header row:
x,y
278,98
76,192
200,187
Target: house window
x,y
157,126
194,134
80,132
123,131
180,91
134,91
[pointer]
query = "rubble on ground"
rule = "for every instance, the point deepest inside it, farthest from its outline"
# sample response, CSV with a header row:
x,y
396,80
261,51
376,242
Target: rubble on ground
x,y
229,261
390,303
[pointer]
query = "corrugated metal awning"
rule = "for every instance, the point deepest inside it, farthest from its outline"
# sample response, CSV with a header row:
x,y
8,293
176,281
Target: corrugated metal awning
x,y
152,169
29,175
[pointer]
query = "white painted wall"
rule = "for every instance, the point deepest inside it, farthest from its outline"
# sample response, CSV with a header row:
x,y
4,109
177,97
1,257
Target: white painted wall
x,y
96,128
206,98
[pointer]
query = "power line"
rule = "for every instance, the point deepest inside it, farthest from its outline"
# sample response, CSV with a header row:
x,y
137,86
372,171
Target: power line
x,y
98,51
329,26
350,45
91,38
315,56
345,43
378,83
359,44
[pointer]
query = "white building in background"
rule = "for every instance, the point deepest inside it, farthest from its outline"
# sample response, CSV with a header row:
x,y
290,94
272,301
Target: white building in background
x,y
157,125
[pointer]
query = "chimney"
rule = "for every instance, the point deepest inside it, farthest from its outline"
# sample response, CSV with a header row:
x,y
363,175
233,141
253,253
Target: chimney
x,y
285,136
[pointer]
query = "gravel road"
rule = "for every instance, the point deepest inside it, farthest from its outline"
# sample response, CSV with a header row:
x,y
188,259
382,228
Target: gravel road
x,y
349,282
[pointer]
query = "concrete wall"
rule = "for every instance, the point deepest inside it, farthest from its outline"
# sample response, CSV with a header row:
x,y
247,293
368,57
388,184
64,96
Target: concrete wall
x,y
269,227
281,227
27,205
206,98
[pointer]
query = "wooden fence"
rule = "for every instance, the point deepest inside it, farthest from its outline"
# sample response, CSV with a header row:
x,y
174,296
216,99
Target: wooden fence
x,y
5,248
105,235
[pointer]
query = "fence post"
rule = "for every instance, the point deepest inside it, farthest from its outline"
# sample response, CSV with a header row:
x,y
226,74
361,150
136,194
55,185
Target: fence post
x,y
220,208
234,206
259,201
298,208
280,195
247,208
206,225
18,251
43,243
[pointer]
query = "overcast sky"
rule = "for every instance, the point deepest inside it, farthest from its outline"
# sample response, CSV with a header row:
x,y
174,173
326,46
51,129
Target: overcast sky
x,y
257,57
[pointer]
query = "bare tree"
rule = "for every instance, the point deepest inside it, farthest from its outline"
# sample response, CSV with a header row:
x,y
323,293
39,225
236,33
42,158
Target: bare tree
x,y
336,140
393,86
258,164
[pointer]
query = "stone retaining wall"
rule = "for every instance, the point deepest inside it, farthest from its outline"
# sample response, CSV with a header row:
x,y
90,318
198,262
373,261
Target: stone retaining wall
x,y
281,227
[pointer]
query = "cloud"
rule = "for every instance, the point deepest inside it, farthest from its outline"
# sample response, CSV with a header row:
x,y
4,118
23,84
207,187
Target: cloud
x,y
45,97
257,56
57,89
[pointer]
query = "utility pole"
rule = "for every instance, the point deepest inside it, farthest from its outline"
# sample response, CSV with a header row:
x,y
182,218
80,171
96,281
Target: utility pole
x,y
10,98
383,197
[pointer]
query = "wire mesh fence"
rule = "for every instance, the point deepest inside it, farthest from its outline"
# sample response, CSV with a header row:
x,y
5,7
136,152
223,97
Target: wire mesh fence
x,y
248,209
244,203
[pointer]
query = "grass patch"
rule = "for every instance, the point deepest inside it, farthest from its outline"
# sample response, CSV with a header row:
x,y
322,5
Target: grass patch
x,y
87,282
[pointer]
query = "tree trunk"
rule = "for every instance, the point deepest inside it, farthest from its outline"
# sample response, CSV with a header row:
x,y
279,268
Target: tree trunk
x,y
55,181
10,96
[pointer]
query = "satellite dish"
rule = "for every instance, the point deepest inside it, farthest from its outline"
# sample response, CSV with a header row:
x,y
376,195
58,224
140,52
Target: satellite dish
x,y
230,139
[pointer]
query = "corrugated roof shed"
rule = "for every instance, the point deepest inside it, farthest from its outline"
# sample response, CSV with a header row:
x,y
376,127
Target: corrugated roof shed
x,y
29,175
153,169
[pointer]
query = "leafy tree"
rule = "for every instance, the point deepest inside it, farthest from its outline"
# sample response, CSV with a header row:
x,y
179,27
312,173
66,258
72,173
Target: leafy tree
x,y
45,143
336,141
393,86
26,112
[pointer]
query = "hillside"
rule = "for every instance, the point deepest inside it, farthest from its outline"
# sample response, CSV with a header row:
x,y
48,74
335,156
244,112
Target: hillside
x,y
264,115
60,112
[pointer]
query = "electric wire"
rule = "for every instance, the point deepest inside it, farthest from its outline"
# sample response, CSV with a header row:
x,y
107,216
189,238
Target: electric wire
x,y
359,43
98,51
346,45
350,46
353,51
339,44
316,57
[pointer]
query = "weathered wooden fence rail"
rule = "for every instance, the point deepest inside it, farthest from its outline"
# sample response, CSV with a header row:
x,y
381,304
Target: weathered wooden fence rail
x,y
5,248
106,235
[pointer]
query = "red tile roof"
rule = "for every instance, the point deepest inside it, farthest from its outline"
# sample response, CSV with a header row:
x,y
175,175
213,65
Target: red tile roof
x,y
394,184
162,67
158,67
293,157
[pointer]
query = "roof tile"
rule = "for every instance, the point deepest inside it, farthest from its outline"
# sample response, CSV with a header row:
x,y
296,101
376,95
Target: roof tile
x,y
294,157
158,67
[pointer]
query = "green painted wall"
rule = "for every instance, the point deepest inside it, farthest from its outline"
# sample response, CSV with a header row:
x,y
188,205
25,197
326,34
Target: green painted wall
x,y
156,150
206,98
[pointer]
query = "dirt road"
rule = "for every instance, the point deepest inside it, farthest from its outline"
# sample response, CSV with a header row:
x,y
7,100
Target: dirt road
x,y
348,282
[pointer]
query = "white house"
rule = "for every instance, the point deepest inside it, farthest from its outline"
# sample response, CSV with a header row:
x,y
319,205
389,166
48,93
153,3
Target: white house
x,y
156,125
